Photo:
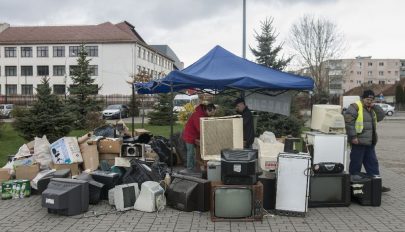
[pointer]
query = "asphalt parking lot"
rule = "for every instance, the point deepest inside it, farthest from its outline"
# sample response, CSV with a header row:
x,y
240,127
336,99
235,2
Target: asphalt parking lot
x,y
28,215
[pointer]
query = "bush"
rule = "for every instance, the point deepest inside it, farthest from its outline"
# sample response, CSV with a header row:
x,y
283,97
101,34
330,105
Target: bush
x,y
279,124
93,120
161,114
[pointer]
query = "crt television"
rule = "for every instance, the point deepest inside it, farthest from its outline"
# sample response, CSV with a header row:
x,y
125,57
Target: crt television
x,y
124,196
329,190
188,193
239,166
327,119
66,196
236,202
151,198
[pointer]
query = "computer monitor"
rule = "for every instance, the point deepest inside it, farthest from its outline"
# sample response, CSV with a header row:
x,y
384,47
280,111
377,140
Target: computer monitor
x,y
151,198
327,119
124,196
66,196
239,166
95,188
189,193
109,179
236,202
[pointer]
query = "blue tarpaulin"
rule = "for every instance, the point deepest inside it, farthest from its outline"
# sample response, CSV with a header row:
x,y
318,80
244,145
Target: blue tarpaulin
x,y
220,69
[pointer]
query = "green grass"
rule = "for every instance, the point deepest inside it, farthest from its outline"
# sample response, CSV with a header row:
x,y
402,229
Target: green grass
x,y
10,141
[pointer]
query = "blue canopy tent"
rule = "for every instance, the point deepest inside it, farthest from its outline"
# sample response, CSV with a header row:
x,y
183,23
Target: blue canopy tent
x,y
220,69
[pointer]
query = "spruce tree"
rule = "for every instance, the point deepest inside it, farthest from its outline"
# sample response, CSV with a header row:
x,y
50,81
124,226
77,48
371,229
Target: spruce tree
x,y
162,111
82,93
48,116
267,51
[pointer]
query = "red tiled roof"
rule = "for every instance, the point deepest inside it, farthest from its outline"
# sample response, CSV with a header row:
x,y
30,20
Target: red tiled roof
x,y
386,90
102,33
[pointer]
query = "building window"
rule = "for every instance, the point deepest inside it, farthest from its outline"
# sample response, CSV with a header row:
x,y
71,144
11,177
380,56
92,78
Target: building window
x,y
42,70
370,82
93,70
139,52
381,82
58,51
381,64
11,89
370,64
42,51
26,71
10,52
92,51
27,89
26,51
358,72
396,72
358,82
74,51
381,73
370,73
360,64
59,89
351,71
389,72
58,70
72,69
143,53
10,71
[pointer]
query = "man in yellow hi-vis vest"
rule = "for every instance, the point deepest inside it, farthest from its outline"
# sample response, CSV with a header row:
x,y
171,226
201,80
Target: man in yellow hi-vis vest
x,y
361,126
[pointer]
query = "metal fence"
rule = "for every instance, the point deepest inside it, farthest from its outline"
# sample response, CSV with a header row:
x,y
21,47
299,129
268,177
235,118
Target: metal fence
x,y
27,100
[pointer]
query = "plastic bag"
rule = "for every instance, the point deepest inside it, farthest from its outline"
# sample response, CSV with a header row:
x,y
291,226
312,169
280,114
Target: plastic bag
x,y
180,147
161,146
42,153
268,137
24,151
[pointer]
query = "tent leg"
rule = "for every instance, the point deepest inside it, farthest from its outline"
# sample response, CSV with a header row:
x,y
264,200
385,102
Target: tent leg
x,y
171,128
133,107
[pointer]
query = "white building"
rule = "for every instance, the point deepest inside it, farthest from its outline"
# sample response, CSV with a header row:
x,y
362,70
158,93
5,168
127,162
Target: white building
x,y
116,51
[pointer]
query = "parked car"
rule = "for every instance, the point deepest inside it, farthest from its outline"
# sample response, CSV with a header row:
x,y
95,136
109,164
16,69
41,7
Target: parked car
x,y
6,110
115,112
388,109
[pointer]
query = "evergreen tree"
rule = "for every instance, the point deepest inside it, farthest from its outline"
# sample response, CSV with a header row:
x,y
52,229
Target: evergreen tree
x,y
399,96
162,111
267,51
48,116
81,99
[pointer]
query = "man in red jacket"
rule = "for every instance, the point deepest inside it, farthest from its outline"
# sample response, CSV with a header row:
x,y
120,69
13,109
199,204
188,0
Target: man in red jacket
x,y
192,130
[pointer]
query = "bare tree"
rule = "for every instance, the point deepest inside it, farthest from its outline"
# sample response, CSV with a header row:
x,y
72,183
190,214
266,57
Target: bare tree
x,y
316,40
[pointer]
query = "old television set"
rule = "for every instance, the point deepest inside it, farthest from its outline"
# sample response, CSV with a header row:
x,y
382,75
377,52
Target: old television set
x,y
236,202
188,193
133,150
327,119
151,198
239,166
329,190
123,196
66,196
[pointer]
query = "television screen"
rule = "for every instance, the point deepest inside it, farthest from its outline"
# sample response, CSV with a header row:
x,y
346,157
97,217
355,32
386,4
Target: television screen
x,y
128,194
226,199
330,189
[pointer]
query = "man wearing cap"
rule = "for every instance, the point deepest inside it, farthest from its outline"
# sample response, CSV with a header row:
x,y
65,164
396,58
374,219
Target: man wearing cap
x,y
248,128
361,120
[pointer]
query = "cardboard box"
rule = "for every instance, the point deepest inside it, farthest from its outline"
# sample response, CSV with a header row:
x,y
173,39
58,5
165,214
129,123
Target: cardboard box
x,y
90,156
109,146
27,172
74,168
65,151
110,158
4,174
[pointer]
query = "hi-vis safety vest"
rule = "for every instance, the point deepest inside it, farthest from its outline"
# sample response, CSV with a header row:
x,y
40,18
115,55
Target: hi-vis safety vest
x,y
359,121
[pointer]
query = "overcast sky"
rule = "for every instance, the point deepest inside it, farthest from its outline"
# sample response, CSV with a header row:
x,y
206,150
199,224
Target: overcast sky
x,y
192,27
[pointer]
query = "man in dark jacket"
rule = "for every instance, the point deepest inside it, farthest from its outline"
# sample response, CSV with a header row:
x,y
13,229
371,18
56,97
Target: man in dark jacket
x,y
248,128
361,120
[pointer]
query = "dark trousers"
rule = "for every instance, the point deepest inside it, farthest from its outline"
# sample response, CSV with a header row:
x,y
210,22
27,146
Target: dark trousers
x,y
363,155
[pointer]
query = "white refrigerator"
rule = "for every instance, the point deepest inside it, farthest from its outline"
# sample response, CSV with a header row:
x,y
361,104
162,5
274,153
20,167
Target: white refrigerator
x,y
293,174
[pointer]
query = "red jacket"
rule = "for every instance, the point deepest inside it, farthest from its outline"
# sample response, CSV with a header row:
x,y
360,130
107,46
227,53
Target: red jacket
x,y
192,129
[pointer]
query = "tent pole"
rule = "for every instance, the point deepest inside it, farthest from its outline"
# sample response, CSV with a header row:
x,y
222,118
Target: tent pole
x,y
171,127
133,107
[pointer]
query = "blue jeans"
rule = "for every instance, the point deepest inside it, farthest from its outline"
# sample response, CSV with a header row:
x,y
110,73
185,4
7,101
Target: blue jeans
x,y
190,155
363,155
